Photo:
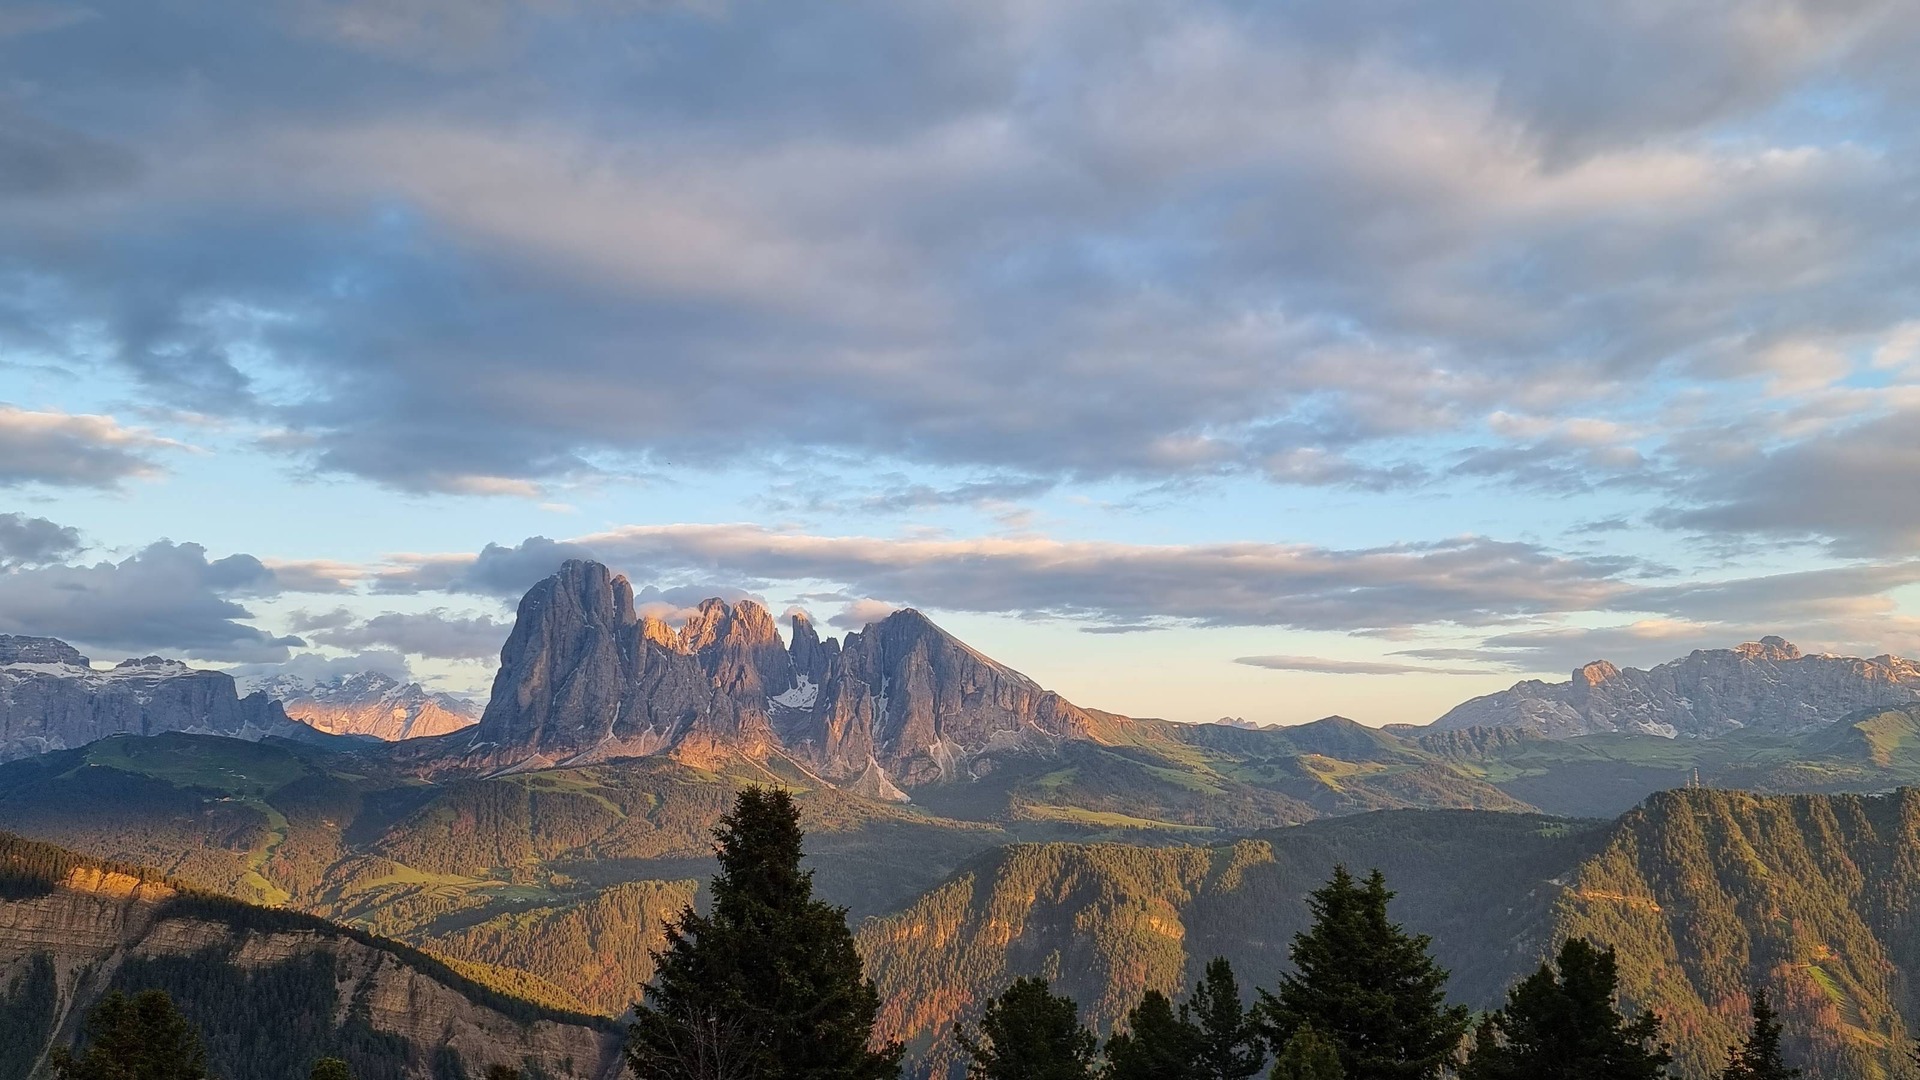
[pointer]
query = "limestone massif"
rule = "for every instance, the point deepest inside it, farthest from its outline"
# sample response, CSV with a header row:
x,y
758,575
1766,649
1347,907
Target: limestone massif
x,y
585,677
367,703
1767,686
52,698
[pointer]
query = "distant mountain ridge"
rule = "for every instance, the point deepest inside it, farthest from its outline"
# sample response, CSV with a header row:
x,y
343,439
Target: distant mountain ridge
x,y
366,703
52,698
1765,686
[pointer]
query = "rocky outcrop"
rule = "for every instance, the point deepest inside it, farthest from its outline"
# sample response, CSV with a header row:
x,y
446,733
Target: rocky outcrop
x,y
910,700
583,677
90,923
1768,685
367,703
51,698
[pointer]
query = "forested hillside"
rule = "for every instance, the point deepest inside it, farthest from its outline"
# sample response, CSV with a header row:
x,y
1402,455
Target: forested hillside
x,y
1106,922
272,990
1706,894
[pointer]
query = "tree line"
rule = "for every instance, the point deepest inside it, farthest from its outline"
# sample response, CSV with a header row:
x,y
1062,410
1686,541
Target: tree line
x,y
767,985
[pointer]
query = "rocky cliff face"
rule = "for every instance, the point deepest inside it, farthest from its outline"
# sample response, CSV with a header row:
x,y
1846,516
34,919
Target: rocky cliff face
x,y
367,703
1768,685
92,925
51,698
583,678
905,701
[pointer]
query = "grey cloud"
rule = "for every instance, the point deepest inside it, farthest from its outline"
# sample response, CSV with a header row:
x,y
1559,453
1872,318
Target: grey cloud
x,y
896,494
1313,467
1850,488
1558,650
437,634
861,612
68,450
38,159
1471,581
1840,592
167,598
317,668
22,19
30,541
1060,242
1320,665
1115,587
497,571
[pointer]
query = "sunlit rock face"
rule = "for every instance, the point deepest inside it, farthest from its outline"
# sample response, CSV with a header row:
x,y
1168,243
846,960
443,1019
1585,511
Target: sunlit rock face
x,y
52,698
367,703
1766,685
584,677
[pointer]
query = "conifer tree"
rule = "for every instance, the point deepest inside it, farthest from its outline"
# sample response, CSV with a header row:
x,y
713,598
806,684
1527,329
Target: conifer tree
x,y
139,1038
767,984
1154,1044
1029,1033
1759,1056
1364,984
1230,1046
1307,1056
1565,1025
328,1068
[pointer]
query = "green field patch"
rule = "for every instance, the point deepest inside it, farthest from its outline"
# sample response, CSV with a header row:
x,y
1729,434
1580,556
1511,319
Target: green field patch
x,y
1106,819
569,783
1057,779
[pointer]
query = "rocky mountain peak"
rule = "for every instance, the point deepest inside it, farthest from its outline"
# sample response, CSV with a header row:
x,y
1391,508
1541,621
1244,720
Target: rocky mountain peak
x,y
1595,673
1768,648
740,648
370,703
152,665
1768,685
582,678
810,657
19,649
659,633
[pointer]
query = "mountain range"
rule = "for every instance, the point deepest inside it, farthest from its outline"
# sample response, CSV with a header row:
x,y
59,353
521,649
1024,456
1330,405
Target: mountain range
x,y
1764,686
52,698
979,826
368,703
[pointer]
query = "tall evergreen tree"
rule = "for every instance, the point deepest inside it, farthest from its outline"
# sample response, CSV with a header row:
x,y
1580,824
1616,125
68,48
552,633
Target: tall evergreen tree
x,y
767,984
1307,1056
1365,984
139,1038
1564,1025
1030,1033
1230,1045
1155,1044
1759,1056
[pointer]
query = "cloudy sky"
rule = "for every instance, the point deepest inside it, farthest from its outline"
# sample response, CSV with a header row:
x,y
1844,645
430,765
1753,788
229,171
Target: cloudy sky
x,y
1197,358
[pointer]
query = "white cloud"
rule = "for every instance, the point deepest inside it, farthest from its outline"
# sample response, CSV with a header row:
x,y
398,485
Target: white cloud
x,y
73,450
